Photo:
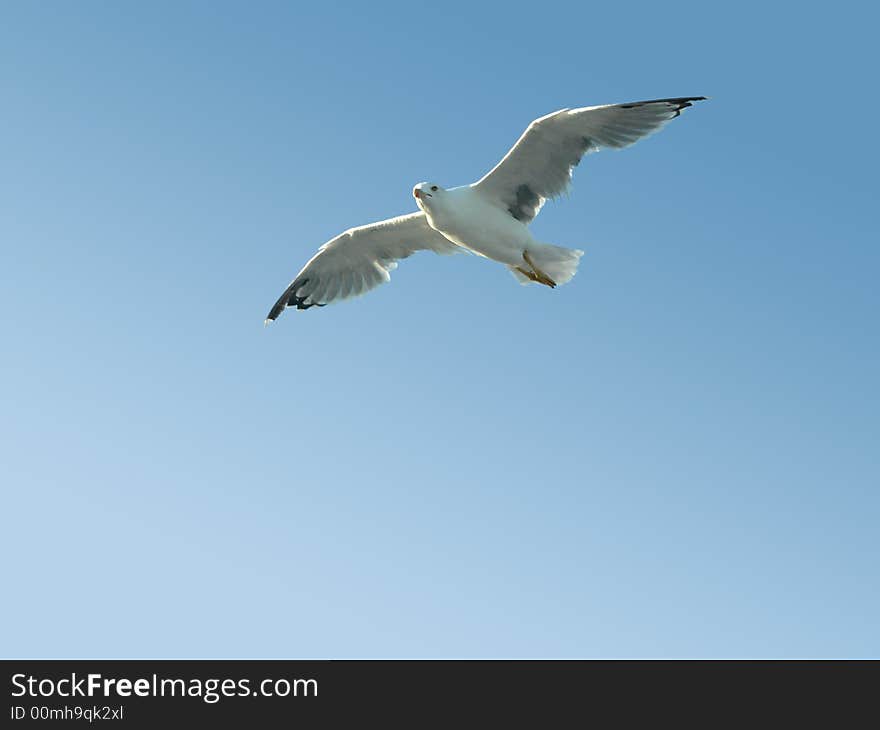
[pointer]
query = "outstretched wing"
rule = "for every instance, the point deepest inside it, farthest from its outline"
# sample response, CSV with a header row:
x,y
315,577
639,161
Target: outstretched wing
x,y
358,260
540,164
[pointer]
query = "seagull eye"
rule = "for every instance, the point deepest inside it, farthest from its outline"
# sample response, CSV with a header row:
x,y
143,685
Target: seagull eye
x,y
433,188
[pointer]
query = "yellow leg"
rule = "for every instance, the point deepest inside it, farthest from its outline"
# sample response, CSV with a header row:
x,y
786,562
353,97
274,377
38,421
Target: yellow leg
x,y
536,274
527,273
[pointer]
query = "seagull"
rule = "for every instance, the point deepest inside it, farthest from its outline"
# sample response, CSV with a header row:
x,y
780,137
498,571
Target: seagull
x,y
490,217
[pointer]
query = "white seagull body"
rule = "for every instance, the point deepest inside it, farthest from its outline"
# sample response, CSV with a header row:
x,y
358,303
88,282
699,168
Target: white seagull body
x,y
489,217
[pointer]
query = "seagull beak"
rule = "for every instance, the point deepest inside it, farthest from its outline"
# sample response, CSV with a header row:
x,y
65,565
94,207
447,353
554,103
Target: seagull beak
x,y
417,193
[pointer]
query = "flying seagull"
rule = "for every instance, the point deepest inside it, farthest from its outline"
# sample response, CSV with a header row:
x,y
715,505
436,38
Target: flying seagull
x,y
489,217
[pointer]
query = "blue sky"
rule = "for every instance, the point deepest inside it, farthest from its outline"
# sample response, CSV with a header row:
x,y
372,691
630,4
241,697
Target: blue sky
x,y
675,455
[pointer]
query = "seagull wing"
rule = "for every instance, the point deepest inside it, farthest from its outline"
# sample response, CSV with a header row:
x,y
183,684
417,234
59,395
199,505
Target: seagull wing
x,y
539,166
358,260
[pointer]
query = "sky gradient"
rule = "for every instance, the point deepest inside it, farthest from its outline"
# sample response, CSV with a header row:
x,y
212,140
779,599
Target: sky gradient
x,y
676,455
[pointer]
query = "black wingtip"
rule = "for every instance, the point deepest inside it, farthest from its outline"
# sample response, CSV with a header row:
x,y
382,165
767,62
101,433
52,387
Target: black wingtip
x,y
290,299
679,103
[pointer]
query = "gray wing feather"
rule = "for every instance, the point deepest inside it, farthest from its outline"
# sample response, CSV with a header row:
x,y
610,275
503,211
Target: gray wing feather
x,y
540,165
358,260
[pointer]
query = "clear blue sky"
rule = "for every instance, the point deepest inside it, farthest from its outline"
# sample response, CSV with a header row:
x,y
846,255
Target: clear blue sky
x,y
675,455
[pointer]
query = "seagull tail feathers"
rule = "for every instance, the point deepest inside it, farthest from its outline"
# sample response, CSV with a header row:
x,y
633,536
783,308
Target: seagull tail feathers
x,y
559,263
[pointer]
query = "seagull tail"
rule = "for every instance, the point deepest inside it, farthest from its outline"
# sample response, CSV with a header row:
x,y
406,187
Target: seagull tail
x,y
559,263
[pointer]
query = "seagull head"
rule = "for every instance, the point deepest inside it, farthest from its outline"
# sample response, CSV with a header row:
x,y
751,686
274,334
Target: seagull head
x,y
424,191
